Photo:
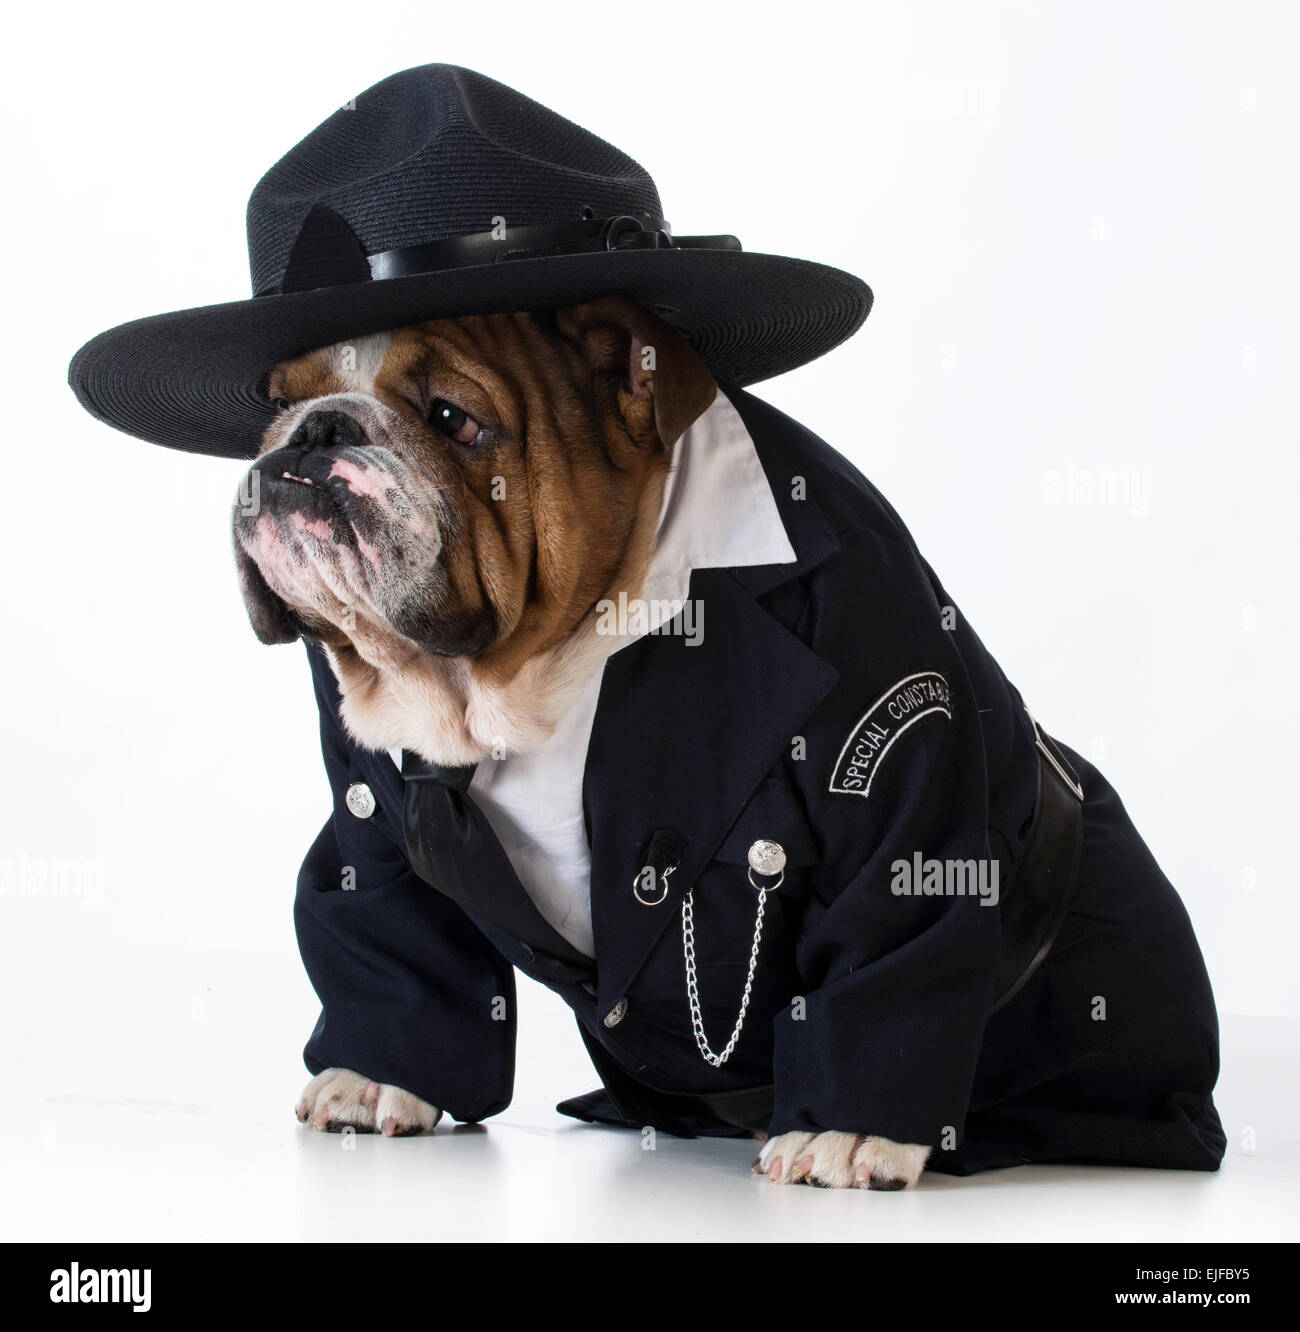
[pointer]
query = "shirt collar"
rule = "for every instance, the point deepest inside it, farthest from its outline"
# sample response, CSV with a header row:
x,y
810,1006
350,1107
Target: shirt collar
x,y
718,510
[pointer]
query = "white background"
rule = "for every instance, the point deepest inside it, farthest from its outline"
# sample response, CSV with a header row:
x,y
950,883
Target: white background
x,y
1080,225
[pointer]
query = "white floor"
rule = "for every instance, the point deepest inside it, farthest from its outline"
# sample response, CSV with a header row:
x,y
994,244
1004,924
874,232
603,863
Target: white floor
x,y
148,1097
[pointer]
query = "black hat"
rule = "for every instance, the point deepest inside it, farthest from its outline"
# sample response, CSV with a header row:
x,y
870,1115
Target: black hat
x,y
441,192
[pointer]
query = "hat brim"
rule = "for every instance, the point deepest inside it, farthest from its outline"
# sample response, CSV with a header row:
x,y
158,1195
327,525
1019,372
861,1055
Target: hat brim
x,y
192,379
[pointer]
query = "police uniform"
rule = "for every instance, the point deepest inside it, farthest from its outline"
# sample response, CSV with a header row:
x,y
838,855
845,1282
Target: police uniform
x,y
840,748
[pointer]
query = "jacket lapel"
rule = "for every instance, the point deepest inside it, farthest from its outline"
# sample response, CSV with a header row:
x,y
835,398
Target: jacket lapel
x,y
683,736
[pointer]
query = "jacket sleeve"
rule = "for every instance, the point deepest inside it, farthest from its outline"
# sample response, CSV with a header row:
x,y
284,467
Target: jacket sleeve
x,y
897,988
412,993
897,985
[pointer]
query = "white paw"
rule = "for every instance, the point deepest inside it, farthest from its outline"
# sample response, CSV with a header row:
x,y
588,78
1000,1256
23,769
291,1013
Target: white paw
x,y
338,1099
841,1161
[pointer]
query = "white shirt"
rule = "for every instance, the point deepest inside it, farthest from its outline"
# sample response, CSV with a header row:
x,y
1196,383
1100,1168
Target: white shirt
x,y
717,511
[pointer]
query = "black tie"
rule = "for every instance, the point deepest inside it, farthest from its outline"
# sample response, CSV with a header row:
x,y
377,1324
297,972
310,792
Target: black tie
x,y
451,845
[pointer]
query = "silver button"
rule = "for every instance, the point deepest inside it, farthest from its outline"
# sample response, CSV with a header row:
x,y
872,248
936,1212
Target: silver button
x,y
766,857
360,800
616,1014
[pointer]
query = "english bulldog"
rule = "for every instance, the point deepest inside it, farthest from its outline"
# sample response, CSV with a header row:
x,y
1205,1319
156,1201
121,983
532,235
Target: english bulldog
x,y
443,507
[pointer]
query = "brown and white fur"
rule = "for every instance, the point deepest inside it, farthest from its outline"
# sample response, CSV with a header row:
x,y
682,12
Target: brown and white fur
x,y
442,507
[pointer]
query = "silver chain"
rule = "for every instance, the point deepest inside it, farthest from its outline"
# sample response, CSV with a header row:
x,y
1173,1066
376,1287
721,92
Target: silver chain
x,y
692,992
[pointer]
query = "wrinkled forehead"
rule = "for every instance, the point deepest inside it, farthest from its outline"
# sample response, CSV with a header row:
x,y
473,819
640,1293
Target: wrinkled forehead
x,y
462,358
357,365
354,366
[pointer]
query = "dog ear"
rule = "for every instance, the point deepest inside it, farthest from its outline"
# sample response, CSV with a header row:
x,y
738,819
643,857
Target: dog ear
x,y
272,620
655,363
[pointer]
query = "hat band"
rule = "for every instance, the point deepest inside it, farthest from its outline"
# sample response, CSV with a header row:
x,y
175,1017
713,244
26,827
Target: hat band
x,y
500,245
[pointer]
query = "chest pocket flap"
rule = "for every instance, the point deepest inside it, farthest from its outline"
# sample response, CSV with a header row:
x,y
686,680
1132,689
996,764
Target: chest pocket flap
x,y
775,814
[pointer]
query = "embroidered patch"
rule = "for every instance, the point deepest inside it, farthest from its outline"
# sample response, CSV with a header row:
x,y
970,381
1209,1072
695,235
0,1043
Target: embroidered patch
x,y
873,735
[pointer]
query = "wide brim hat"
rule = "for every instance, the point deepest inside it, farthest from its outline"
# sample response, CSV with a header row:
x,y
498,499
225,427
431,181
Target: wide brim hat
x,y
440,192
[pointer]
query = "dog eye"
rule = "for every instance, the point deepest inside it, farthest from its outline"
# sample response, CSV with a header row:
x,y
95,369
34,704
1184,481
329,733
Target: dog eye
x,y
454,423
280,404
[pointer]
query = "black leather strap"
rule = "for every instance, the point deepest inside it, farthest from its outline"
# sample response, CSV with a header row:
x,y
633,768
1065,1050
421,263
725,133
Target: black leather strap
x,y
327,253
588,235
1042,888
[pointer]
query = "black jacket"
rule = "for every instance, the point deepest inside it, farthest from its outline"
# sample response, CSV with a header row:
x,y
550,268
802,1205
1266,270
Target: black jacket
x,y
870,1010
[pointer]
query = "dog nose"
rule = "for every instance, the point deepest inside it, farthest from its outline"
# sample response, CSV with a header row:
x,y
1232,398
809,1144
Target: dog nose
x,y
309,451
326,429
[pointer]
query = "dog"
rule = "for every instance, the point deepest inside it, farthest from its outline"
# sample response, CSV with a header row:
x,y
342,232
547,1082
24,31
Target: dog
x,y
443,510
629,682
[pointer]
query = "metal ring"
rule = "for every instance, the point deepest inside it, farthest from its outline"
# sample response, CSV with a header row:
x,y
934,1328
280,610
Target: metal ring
x,y
767,887
663,879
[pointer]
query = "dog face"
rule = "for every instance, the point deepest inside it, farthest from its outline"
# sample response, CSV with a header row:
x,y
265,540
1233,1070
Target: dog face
x,y
448,502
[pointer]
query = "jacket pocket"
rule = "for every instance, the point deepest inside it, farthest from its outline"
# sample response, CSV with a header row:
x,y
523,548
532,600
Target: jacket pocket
x,y
773,814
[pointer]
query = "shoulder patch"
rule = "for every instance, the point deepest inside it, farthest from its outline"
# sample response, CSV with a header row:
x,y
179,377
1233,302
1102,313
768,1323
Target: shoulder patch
x,y
873,735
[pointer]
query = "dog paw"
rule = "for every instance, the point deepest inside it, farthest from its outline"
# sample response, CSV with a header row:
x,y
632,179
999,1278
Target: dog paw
x,y
841,1161
339,1099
